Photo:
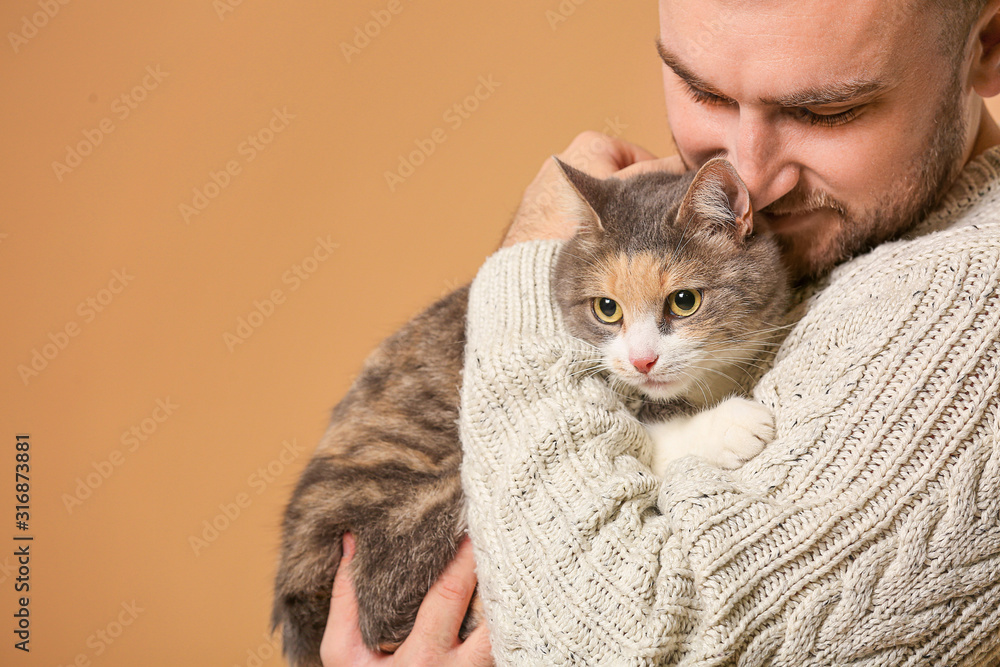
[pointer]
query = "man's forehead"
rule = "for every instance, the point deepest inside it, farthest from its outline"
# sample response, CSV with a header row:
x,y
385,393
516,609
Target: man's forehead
x,y
774,48
793,17
818,90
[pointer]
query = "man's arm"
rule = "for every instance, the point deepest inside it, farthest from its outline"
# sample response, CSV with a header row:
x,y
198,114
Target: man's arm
x,y
868,531
557,498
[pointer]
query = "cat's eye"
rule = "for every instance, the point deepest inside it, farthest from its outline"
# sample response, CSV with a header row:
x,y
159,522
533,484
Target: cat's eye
x,y
684,302
607,310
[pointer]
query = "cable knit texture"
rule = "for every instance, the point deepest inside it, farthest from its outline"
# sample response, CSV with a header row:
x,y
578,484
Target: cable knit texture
x,y
867,533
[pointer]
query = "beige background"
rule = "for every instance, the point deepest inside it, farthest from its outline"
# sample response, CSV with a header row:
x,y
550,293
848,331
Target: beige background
x,y
113,516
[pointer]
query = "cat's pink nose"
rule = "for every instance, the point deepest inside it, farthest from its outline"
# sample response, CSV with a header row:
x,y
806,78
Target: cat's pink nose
x,y
643,364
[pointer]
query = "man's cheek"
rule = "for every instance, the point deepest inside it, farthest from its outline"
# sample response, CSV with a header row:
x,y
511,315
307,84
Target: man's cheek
x,y
850,165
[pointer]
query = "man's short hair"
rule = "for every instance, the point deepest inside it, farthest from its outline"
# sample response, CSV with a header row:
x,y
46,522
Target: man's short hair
x,y
958,17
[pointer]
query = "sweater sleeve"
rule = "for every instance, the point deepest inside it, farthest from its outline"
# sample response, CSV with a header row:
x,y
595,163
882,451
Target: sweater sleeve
x,y
867,533
574,559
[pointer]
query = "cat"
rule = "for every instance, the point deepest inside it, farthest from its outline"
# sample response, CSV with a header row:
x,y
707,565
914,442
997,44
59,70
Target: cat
x,y
698,297
668,287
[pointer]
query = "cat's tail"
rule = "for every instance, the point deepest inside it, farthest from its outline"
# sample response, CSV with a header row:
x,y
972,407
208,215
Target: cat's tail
x,y
311,551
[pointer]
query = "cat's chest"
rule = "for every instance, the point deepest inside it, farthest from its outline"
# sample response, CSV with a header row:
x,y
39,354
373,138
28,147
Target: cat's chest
x,y
651,412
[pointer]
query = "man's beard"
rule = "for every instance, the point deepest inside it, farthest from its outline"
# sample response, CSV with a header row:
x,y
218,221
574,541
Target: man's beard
x,y
907,201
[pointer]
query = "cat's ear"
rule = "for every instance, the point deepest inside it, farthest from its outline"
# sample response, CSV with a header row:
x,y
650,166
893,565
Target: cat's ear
x,y
718,196
581,196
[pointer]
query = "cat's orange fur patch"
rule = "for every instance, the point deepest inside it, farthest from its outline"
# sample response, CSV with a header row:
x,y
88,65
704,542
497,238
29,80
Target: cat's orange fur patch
x,y
638,283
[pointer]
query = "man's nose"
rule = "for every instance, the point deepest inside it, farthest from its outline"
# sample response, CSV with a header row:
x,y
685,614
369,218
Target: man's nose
x,y
760,155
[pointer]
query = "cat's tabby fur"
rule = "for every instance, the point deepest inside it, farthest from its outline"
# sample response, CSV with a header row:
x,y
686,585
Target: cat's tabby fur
x,y
387,468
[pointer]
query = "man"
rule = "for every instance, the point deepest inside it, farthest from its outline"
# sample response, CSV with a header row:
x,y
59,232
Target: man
x,y
868,532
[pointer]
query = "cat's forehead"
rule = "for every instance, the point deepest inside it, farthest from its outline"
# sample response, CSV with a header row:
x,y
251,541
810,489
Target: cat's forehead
x,y
642,278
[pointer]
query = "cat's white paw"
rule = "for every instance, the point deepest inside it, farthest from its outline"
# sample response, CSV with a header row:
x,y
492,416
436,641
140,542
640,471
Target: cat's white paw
x,y
738,430
727,436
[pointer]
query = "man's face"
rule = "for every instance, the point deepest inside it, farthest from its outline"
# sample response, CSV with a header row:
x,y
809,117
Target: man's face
x,y
843,117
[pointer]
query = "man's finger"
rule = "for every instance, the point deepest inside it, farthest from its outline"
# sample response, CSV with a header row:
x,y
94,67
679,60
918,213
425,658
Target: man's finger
x,y
601,156
673,164
627,154
342,637
475,650
443,609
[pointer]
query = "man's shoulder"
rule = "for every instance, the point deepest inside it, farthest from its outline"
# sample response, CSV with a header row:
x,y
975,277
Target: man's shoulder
x,y
972,200
903,296
972,238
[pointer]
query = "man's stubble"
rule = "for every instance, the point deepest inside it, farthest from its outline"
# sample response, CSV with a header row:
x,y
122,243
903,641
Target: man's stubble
x,y
924,182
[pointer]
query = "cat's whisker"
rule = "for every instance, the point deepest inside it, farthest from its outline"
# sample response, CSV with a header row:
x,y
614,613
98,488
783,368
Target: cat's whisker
x,y
736,353
739,356
741,368
680,242
587,361
742,364
772,330
734,356
717,371
594,370
591,352
749,344
588,352
736,361
590,262
614,384
775,327
698,382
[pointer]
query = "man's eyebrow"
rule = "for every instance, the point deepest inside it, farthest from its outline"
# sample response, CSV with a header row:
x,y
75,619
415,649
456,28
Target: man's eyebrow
x,y
843,92
692,79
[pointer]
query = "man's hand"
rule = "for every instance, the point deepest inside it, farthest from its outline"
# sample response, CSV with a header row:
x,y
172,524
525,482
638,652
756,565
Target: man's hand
x,y
538,217
434,638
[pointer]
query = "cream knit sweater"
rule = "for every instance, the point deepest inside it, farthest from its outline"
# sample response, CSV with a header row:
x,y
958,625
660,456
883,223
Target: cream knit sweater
x,y
867,533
